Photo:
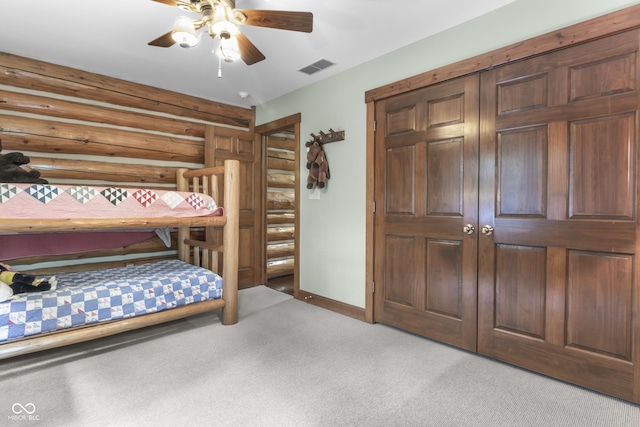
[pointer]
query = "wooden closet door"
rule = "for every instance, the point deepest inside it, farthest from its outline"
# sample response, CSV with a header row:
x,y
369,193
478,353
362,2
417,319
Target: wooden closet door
x,y
558,276
426,191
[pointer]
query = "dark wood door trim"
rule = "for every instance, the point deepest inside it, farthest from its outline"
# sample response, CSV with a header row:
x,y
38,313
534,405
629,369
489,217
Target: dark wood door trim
x,y
279,124
370,209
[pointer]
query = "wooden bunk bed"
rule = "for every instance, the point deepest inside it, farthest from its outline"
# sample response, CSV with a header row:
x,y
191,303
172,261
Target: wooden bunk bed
x,y
200,252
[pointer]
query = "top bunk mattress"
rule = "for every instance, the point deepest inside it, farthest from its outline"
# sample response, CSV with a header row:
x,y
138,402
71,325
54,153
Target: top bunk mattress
x,y
38,201
88,297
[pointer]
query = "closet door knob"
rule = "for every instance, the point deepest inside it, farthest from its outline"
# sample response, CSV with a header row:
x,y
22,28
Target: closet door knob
x,y
468,229
487,230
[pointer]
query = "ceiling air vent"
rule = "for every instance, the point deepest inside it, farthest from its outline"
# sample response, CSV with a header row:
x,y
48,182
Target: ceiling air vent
x,y
316,66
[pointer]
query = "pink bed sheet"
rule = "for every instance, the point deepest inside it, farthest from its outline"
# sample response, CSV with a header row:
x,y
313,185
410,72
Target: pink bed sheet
x,y
26,245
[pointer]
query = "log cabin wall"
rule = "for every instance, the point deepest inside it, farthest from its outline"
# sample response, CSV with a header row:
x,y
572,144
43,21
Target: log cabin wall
x,y
83,128
280,205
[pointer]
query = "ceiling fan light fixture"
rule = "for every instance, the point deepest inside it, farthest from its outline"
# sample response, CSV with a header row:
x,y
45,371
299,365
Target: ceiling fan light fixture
x,y
222,21
184,33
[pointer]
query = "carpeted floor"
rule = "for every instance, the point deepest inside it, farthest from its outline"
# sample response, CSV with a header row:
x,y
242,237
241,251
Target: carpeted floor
x,y
286,363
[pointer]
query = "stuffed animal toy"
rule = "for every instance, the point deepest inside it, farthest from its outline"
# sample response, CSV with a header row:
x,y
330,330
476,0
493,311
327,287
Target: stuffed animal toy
x,y
313,148
11,170
317,165
12,283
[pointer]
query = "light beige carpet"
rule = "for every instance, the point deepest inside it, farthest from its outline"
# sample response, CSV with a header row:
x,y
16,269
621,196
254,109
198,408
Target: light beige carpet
x,y
287,363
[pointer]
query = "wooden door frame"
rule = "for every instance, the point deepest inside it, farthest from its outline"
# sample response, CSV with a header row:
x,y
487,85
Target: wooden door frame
x,y
261,133
622,20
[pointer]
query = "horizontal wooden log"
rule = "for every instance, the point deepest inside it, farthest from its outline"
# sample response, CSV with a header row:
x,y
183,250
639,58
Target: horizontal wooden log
x,y
280,250
89,224
281,164
280,206
281,143
283,267
278,154
277,200
281,218
40,105
275,234
281,196
281,180
75,170
28,134
42,76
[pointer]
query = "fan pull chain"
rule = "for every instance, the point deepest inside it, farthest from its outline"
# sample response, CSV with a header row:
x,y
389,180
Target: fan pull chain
x,y
219,67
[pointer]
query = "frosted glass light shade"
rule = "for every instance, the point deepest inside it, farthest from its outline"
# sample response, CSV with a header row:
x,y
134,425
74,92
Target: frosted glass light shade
x,y
223,26
184,32
229,49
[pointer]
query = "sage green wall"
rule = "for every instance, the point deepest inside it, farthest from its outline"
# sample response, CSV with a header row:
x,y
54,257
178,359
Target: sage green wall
x,y
332,229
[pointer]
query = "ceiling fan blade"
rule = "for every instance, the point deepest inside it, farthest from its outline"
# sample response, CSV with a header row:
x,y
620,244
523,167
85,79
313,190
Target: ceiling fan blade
x,y
292,21
168,2
164,40
248,52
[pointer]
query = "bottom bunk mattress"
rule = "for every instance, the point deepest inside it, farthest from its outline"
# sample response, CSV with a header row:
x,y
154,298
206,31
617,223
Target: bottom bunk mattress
x,y
88,297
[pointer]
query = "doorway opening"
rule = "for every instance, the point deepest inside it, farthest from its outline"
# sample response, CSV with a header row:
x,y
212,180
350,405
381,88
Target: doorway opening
x,y
280,147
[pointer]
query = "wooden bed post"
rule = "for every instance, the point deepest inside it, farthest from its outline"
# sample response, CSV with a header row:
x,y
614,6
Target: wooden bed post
x,y
182,184
230,241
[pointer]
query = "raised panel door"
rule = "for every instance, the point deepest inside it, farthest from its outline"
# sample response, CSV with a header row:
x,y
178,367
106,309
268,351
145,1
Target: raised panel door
x,y
426,191
557,277
225,143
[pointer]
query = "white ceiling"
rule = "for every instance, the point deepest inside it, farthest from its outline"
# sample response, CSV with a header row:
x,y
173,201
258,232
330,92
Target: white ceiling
x,y
110,37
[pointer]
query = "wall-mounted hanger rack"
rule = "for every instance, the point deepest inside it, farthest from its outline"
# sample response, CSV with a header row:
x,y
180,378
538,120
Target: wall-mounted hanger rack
x,y
325,138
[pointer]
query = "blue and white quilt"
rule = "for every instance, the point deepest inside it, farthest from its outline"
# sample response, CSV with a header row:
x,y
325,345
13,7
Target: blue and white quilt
x,y
88,297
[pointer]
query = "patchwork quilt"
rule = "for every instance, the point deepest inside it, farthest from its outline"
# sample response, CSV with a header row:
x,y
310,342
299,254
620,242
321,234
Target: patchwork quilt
x,y
78,201
83,298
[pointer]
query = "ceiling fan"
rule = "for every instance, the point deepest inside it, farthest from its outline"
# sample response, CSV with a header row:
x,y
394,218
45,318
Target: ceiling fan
x,y
222,19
